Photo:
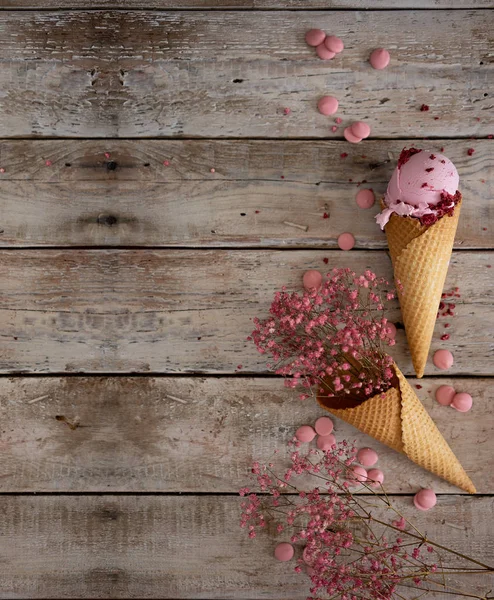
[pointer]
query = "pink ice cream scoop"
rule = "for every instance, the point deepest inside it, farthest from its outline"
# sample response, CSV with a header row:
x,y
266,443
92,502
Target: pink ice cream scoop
x,y
419,183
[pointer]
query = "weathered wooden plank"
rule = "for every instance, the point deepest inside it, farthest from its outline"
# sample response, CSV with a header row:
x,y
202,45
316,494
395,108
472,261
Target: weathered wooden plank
x,y
172,547
247,4
188,311
196,434
134,74
140,201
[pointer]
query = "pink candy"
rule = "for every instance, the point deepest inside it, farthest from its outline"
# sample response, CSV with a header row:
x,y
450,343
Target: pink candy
x,y
324,426
445,394
333,43
284,552
325,442
462,402
376,476
327,105
443,359
365,199
425,499
305,434
346,241
357,474
350,137
315,37
324,53
379,58
312,280
367,457
360,130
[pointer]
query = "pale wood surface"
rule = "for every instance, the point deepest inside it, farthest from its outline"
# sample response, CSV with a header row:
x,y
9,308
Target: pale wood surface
x,y
173,547
247,4
186,311
175,74
184,434
77,201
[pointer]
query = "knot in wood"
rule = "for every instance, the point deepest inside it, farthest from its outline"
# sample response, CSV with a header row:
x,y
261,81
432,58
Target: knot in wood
x,y
111,165
108,220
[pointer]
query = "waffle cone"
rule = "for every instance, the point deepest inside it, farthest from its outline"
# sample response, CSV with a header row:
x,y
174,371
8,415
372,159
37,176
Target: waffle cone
x,y
420,256
398,419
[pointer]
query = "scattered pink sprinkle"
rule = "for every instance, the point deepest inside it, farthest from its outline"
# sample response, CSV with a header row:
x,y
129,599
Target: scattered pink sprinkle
x,y
326,260
282,177
436,118
212,170
424,108
490,136
430,169
418,386
424,185
325,216
338,120
443,162
477,119
239,366
442,149
482,181
432,156
334,128
257,212
343,155
166,163
484,228
286,111
107,155
2,170
350,180
470,151
445,336
446,325
488,266
48,163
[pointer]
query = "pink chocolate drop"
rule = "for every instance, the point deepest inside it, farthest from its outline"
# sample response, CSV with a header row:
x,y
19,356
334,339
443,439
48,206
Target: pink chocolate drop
x,y
333,43
327,105
284,552
443,359
324,426
314,37
346,241
367,457
379,58
350,137
305,433
360,129
324,53
325,442
376,476
445,394
312,279
365,199
357,475
462,402
425,499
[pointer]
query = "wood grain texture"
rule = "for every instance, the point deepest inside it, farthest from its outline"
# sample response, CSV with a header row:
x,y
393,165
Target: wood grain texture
x,y
197,434
141,74
172,547
246,4
79,201
185,311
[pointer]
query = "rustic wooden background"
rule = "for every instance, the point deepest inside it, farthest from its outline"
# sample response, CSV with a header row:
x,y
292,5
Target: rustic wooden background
x,y
128,287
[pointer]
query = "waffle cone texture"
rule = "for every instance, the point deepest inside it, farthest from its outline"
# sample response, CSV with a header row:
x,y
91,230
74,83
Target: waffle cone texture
x,y
398,419
420,255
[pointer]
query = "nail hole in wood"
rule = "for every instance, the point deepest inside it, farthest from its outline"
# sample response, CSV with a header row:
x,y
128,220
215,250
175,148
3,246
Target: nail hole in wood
x,y
111,166
243,214
237,81
68,164
485,95
147,165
